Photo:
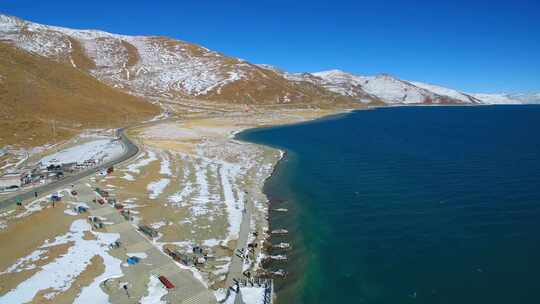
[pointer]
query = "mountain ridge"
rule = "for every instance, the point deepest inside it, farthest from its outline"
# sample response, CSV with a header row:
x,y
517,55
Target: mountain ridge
x,y
158,67
393,90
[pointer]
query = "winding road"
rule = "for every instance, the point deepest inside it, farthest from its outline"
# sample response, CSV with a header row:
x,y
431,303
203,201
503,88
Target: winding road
x,y
130,150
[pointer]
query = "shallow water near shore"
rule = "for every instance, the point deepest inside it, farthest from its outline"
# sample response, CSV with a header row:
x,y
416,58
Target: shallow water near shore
x,y
409,205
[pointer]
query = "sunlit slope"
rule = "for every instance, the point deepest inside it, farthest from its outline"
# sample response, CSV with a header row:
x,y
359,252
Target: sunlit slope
x,y
41,98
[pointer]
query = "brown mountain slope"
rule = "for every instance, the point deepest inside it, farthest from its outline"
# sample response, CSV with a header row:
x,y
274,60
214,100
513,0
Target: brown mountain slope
x,y
37,94
161,67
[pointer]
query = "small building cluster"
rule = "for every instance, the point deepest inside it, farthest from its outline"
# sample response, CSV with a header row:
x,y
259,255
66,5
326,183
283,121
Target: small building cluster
x,y
198,256
13,181
38,174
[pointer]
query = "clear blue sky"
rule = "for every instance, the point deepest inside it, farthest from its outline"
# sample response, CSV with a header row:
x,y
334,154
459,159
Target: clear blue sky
x,y
476,45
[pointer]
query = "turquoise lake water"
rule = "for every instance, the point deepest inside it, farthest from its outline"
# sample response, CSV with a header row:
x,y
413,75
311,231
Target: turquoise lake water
x,y
410,205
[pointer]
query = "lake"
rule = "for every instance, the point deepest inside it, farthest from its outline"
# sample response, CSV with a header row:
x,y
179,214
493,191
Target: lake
x,y
409,205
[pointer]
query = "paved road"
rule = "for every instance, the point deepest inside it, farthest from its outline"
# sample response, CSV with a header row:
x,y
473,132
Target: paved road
x,y
236,267
130,150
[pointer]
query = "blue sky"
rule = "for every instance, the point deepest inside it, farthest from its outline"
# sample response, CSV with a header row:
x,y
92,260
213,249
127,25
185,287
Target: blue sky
x,y
476,46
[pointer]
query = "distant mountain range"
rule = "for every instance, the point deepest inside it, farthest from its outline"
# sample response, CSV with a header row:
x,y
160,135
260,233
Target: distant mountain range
x,y
515,98
392,90
114,69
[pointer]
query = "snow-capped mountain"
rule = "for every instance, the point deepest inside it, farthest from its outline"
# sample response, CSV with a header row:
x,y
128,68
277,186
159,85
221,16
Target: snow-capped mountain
x,y
387,88
158,66
531,98
442,91
496,98
335,81
391,90
515,98
161,67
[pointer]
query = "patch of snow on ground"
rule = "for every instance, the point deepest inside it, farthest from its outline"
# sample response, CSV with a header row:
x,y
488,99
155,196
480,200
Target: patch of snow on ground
x,y
228,172
155,291
99,150
142,162
165,167
177,198
220,294
59,275
140,255
156,188
200,201
128,177
252,295
26,263
211,242
158,225
70,212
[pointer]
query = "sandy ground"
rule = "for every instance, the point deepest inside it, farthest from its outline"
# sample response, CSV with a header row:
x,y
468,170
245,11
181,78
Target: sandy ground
x,y
192,182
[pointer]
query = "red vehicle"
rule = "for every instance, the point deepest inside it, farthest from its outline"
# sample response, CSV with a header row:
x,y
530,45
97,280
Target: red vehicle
x,y
166,282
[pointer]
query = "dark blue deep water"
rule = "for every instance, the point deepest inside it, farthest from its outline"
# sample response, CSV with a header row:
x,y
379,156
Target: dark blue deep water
x,y
410,205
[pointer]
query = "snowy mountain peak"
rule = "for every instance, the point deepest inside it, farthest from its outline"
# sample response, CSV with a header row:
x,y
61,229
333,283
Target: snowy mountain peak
x,y
442,91
531,98
332,73
158,67
509,98
386,76
384,87
393,90
6,20
270,67
161,67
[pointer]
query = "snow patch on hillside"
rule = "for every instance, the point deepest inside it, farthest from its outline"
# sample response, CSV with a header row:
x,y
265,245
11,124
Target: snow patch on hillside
x,y
446,92
496,99
99,150
385,87
146,65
